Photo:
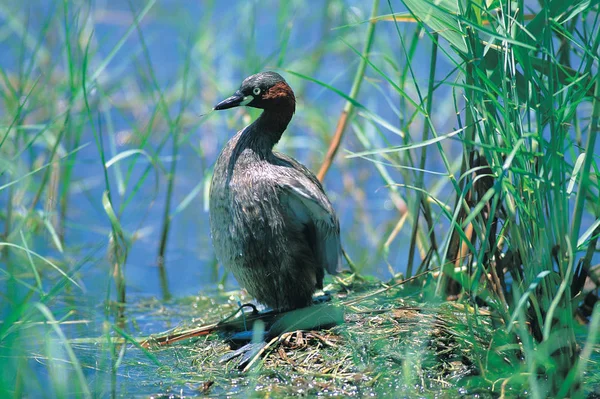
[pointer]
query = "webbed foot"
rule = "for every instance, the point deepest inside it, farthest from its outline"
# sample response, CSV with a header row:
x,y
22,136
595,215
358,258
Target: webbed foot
x,y
246,354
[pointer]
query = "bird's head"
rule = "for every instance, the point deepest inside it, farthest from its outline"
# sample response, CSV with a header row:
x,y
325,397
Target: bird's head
x,y
265,90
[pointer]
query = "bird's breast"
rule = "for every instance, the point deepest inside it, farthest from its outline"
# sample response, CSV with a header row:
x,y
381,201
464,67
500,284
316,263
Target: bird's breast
x,y
244,201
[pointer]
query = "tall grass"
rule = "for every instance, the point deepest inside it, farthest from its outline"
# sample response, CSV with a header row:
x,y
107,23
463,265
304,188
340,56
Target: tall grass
x,y
486,151
50,108
91,137
526,100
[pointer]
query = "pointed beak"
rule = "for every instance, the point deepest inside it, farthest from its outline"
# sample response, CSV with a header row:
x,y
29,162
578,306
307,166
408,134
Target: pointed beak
x,y
234,101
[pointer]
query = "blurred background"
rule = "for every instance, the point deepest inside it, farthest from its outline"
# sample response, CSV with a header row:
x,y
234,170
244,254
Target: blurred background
x,y
108,141
154,70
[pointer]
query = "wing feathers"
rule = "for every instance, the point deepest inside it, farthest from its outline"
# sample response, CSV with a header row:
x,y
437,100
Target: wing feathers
x,y
313,208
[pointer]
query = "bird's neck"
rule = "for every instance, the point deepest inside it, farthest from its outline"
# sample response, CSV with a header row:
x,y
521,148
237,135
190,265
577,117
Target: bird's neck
x,y
266,131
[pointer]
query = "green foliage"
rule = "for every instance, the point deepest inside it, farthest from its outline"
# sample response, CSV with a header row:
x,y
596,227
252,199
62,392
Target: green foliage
x,y
524,105
489,172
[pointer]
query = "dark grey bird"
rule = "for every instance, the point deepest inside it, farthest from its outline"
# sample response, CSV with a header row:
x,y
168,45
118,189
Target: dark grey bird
x,y
271,222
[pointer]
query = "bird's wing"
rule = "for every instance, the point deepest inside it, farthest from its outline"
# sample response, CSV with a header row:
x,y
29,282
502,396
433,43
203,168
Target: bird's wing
x,y
304,200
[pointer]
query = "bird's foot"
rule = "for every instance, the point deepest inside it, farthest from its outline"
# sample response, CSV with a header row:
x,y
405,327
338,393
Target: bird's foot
x,y
246,353
318,299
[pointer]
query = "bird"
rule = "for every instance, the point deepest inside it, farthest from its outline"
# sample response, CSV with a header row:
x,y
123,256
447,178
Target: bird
x,y
272,225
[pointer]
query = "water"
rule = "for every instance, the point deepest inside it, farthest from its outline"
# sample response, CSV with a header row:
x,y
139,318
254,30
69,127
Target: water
x,y
229,42
189,256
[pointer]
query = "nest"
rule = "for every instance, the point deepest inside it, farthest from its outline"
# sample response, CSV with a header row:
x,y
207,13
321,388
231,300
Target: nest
x,y
387,345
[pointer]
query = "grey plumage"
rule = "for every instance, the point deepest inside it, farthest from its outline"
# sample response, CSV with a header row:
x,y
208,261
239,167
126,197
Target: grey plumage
x,y
272,224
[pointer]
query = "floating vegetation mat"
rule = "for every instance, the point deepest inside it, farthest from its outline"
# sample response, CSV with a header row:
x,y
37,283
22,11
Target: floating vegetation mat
x,y
391,344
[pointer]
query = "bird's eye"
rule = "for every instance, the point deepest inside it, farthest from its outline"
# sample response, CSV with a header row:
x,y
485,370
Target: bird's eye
x,y
256,91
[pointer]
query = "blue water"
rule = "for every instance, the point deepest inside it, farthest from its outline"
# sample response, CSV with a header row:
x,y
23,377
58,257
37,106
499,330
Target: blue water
x,y
229,50
168,31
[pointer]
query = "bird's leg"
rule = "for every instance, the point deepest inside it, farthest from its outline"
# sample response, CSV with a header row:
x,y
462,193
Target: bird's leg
x,y
251,349
319,299
246,353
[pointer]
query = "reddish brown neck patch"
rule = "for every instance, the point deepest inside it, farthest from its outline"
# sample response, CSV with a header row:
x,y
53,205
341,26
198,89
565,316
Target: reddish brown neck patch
x,y
280,91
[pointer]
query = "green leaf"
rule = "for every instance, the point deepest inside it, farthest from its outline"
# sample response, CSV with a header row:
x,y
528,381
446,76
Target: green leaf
x,y
441,16
585,236
538,279
576,169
